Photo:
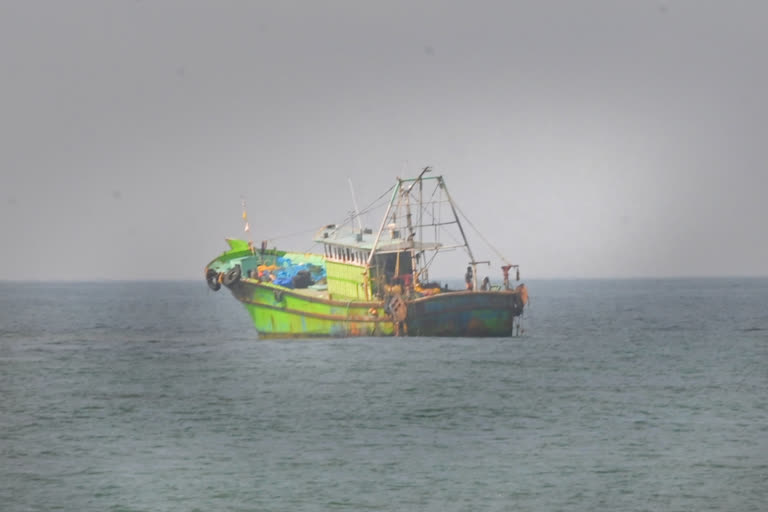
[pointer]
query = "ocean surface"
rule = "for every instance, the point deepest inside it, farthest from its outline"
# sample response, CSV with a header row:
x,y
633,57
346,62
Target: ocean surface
x,y
621,395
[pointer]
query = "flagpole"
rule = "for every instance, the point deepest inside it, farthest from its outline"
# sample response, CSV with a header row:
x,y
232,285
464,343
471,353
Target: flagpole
x,y
246,225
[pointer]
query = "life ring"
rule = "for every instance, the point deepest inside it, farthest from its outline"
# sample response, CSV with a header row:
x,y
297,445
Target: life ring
x,y
232,276
278,295
212,278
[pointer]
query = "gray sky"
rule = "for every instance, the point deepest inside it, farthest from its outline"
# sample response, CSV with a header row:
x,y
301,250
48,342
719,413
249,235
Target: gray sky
x,y
584,139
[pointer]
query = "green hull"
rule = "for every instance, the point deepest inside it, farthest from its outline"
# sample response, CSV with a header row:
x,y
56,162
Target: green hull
x,y
278,312
281,312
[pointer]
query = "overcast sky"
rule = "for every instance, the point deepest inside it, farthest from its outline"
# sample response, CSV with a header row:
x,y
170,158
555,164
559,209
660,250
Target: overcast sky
x,y
584,139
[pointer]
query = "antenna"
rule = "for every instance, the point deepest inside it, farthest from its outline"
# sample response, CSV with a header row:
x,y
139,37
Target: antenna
x,y
354,202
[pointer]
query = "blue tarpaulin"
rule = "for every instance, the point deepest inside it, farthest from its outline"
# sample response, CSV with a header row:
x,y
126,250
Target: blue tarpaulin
x,y
288,270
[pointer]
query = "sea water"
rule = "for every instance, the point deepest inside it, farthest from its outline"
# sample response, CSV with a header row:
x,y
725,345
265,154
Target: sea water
x,y
621,395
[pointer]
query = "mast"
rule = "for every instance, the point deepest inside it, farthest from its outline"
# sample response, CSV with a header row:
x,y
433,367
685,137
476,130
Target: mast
x,y
421,219
461,230
400,204
383,223
411,232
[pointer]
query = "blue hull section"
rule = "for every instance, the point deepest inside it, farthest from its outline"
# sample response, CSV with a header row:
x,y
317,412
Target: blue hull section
x,y
473,314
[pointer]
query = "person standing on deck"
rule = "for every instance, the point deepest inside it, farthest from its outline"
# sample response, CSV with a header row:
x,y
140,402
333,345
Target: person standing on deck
x,y
468,278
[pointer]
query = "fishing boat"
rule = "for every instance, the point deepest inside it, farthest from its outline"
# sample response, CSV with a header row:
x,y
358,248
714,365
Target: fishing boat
x,y
373,282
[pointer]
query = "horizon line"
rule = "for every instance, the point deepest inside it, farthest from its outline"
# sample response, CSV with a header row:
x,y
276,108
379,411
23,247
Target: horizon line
x,y
550,278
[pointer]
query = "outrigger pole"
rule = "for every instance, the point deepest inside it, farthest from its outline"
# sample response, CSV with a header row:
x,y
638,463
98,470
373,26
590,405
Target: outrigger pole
x,y
461,230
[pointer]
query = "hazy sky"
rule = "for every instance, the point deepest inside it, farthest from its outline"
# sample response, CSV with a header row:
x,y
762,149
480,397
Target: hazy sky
x,y
585,139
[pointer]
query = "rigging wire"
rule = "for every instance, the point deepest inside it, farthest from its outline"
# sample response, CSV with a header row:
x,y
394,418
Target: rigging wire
x,y
346,221
424,210
481,236
370,206
441,229
373,205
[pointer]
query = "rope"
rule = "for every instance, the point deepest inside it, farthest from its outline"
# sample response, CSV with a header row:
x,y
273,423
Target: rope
x,y
351,218
346,221
481,236
364,210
